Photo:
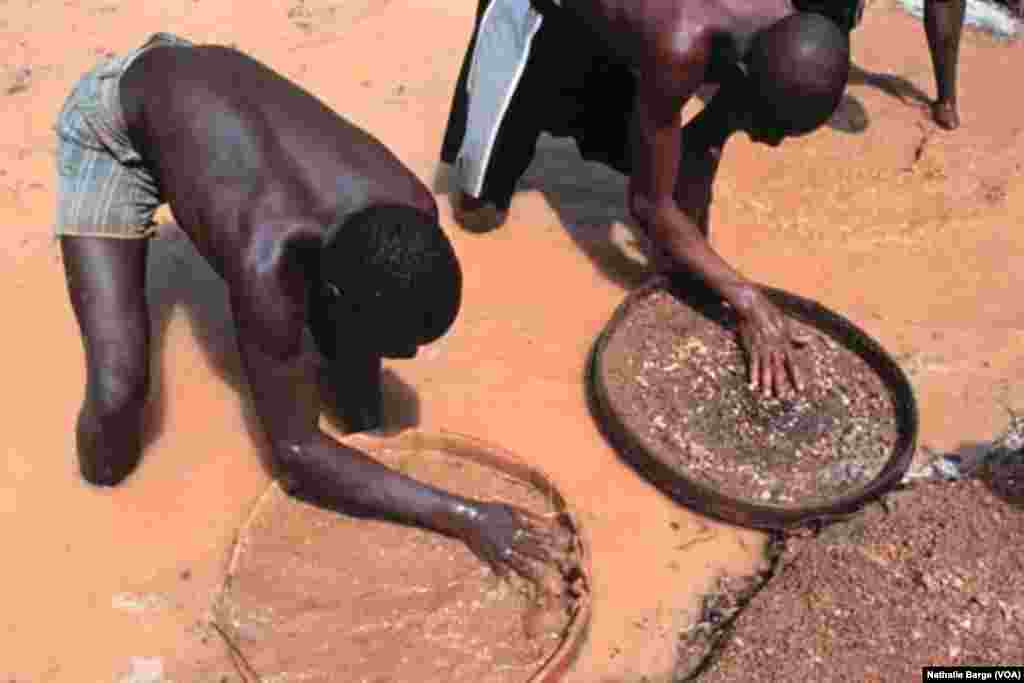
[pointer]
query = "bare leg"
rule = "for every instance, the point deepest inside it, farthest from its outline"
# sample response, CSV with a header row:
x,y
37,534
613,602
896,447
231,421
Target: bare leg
x,y
513,151
943,23
106,280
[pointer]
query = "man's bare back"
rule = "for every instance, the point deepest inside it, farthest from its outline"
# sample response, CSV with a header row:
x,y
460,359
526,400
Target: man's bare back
x,y
644,32
943,22
229,138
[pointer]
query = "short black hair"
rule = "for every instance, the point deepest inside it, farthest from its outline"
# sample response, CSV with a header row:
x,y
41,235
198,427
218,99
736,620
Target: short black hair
x,y
798,68
396,271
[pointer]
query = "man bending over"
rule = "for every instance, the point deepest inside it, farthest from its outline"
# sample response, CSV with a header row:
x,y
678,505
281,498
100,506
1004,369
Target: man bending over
x,y
309,220
615,76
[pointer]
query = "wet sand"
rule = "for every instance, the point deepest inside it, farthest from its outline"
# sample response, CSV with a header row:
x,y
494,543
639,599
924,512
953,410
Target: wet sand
x,y
311,596
911,232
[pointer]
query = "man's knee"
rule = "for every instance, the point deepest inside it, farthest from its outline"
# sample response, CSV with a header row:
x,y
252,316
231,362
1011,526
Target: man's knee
x,y
118,389
477,215
109,430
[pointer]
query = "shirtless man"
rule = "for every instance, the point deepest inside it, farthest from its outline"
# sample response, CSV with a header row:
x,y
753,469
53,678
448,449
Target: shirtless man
x,y
616,76
309,220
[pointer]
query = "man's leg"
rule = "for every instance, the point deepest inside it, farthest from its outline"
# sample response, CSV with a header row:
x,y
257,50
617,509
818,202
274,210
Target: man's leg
x,y
106,280
477,215
513,153
943,23
529,112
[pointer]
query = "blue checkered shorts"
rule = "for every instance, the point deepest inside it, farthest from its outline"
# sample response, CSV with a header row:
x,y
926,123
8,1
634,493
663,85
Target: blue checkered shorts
x,y
103,188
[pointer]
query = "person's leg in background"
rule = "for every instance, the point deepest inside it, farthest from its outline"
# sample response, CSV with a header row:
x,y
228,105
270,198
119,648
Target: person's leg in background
x,y
943,23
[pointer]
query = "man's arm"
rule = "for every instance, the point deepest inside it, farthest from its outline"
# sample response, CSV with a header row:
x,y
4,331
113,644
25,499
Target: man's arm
x,y
269,311
657,152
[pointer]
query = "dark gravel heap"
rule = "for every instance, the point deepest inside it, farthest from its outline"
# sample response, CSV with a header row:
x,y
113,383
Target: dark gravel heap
x,y
933,577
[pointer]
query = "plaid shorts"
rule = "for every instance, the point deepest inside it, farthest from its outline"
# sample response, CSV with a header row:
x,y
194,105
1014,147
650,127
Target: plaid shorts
x,y
103,188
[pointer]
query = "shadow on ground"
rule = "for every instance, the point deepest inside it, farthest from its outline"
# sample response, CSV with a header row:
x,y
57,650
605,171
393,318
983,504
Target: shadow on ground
x,y
590,201
895,86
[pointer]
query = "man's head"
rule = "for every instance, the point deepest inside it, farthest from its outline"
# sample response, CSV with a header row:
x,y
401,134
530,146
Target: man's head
x,y
390,282
797,71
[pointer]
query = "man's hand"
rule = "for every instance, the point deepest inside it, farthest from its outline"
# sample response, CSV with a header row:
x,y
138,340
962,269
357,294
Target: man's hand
x,y
770,338
506,537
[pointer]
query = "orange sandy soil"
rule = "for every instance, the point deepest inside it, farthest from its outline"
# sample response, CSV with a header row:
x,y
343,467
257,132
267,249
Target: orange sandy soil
x,y
912,232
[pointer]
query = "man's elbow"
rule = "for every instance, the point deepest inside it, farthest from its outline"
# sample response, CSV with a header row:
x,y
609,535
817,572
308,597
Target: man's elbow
x,y
289,458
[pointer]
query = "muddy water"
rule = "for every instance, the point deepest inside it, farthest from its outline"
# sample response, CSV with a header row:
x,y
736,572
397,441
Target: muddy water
x,y
912,233
315,597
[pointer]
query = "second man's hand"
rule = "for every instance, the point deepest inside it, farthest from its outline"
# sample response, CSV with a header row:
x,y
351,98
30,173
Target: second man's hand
x,y
770,339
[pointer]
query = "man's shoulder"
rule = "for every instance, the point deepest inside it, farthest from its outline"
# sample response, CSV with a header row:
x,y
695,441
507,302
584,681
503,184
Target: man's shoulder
x,y
675,53
684,35
175,69
161,79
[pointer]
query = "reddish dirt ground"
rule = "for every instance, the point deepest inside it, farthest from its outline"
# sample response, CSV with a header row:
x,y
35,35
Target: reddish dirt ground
x,y
934,580
911,232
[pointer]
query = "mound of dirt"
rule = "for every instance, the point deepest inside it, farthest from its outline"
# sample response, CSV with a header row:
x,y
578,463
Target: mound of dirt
x,y
935,576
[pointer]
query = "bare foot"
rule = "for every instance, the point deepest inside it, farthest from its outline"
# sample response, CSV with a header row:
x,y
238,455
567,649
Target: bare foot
x,y
477,215
945,115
